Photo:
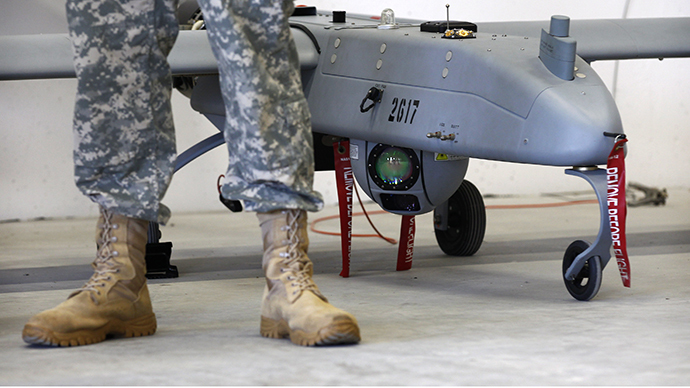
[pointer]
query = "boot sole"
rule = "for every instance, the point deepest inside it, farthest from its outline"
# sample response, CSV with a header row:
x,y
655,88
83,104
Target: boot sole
x,y
340,332
139,327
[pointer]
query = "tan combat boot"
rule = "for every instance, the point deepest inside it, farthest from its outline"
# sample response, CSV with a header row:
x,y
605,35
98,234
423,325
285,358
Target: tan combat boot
x,y
115,301
292,303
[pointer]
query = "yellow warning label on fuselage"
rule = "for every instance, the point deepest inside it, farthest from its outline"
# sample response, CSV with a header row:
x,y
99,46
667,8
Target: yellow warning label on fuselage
x,y
447,158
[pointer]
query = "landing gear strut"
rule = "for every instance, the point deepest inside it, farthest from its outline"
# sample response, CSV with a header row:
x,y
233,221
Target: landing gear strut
x,y
583,263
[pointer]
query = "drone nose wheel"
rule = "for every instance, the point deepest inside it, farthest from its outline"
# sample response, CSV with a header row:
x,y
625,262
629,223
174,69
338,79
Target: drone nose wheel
x,y
585,284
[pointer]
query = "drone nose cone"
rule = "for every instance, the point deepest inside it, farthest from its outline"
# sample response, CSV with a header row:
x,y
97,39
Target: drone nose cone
x,y
566,125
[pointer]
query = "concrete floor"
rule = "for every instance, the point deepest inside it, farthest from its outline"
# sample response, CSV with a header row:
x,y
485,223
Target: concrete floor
x,y
501,317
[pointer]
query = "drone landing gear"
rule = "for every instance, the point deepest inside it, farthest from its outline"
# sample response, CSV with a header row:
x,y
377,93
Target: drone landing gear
x,y
158,256
586,283
158,253
460,223
584,263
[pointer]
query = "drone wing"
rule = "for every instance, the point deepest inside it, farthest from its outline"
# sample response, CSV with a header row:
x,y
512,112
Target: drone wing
x,y
50,55
610,39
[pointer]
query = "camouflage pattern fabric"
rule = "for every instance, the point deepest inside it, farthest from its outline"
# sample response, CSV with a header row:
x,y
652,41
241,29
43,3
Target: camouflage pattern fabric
x,y
268,126
124,151
123,128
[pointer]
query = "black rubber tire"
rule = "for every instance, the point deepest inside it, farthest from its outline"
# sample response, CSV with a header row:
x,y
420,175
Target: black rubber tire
x,y
587,283
466,222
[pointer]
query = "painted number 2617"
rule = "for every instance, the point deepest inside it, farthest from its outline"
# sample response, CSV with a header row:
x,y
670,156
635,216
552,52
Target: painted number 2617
x,y
403,110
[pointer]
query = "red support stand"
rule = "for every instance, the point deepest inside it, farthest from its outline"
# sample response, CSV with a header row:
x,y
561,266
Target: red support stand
x,y
344,181
406,243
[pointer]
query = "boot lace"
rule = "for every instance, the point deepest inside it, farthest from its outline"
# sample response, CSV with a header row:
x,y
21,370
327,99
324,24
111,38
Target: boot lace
x,y
296,261
103,265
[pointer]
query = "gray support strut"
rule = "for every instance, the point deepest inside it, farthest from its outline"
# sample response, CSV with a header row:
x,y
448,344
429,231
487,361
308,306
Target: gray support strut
x,y
602,246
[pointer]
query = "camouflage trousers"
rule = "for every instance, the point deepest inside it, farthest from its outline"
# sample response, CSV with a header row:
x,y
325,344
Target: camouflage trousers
x,y
124,135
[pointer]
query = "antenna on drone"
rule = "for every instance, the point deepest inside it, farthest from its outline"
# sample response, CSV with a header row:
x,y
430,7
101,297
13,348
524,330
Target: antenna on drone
x,y
447,17
459,30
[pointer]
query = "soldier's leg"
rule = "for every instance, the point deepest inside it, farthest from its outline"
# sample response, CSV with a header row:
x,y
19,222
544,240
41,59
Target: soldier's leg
x,y
268,129
271,166
123,128
124,155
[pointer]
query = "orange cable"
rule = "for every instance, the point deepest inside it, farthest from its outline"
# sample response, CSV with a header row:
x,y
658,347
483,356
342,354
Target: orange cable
x,y
312,226
543,205
361,204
